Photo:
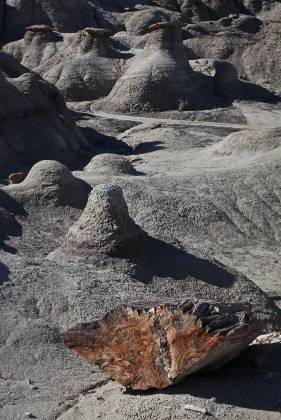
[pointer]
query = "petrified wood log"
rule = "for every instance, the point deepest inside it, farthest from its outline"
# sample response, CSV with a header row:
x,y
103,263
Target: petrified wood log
x,y
156,344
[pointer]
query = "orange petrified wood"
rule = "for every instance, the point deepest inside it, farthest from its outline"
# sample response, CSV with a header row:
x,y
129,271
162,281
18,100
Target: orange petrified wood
x,y
155,344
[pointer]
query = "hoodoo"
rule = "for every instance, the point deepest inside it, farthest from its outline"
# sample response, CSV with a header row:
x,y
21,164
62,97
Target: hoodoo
x,y
87,69
34,121
160,77
83,66
105,227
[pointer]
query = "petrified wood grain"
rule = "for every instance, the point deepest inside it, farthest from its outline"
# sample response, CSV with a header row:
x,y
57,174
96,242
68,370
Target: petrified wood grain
x,y
155,344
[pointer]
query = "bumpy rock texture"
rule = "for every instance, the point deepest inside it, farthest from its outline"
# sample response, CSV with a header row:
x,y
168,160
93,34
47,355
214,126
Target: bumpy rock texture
x,y
160,77
108,163
105,227
51,183
249,142
208,198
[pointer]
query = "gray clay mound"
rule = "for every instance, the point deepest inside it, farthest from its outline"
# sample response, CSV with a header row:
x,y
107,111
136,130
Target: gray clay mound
x,y
110,164
160,77
52,183
245,42
86,68
138,22
250,141
34,121
105,227
83,66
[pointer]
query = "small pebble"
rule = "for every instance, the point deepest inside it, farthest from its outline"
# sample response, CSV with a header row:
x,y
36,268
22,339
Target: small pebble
x,y
194,408
29,415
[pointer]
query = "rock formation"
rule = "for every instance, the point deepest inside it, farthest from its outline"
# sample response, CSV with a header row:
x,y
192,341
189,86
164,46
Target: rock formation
x,y
39,43
156,344
137,22
108,163
34,121
252,47
50,183
83,66
250,142
104,228
160,77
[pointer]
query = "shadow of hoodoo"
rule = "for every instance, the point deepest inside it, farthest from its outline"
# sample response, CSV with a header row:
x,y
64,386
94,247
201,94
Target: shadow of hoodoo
x,y
105,230
4,274
163,260
9,226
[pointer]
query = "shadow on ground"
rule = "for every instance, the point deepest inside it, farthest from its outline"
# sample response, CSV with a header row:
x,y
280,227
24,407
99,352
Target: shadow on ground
x,y
11,227
166,261
253,381
4,273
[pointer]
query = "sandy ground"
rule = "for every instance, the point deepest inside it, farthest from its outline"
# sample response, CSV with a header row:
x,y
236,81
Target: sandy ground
x,y
201,209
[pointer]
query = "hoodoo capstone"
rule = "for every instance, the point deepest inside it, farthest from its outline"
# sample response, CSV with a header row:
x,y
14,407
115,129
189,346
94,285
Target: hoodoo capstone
x,y
88,69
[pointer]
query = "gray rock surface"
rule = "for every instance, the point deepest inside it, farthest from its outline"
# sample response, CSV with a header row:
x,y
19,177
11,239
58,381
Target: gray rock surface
x,y
251,46
35,123
83,66
159,78
251,142
50,183
105,227
206,217
111,164
202,220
